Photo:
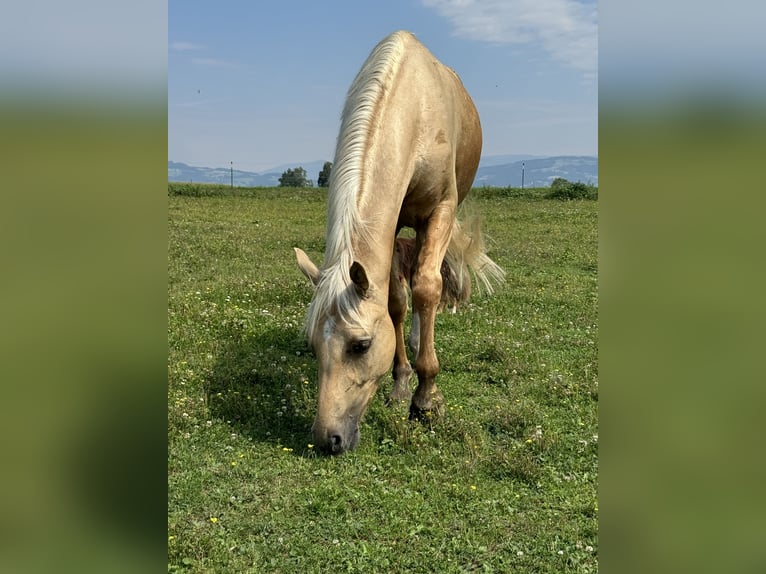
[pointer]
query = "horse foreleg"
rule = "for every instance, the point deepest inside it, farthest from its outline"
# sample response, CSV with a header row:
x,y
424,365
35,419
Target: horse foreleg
x,y
426,294
397,309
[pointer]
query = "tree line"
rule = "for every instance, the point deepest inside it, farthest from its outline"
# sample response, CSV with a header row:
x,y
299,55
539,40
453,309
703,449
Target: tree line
x,y
297,177
560,188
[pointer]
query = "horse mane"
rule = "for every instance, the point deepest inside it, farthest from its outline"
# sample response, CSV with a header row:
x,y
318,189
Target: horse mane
x,y
344,222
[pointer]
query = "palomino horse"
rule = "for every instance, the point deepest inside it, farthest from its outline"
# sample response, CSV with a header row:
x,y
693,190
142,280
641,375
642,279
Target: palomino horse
x,y
407,153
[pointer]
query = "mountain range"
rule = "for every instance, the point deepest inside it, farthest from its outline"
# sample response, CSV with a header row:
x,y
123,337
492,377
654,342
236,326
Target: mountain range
x,y
494,171
538,171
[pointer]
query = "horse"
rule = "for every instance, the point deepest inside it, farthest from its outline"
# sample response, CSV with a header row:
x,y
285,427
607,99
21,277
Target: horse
x,y
406,155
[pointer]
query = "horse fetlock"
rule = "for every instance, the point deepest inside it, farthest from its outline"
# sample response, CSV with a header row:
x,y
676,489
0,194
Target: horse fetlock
x,y
427,367
399,394
401,391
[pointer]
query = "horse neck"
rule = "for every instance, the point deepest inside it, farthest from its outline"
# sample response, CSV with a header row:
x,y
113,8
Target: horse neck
x,y
376,260
371,173
379,204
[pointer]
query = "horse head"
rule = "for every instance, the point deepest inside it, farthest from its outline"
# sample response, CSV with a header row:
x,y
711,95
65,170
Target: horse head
x,y
352,335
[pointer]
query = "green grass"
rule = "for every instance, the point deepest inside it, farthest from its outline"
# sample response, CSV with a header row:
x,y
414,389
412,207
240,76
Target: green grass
x,y
506,481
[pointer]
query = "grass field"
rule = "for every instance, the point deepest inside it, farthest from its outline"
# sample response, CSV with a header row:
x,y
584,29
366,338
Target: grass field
x,y
506,481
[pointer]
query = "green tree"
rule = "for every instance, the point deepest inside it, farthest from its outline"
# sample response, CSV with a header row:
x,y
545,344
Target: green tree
x,y
295,178
559,185
564,189
324,176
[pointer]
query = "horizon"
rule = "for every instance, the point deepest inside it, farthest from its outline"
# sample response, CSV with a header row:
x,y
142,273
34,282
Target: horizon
x,y
288,165
497,170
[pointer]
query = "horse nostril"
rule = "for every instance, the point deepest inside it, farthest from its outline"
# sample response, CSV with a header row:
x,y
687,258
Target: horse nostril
x,y
334,441
336,444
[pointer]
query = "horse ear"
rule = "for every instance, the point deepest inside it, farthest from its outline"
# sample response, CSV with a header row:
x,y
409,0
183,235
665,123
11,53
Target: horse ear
x,y
359,277
307,266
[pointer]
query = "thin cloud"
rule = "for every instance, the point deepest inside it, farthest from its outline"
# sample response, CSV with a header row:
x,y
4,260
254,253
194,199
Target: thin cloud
x,y
185,46
566,29
208,62
213,63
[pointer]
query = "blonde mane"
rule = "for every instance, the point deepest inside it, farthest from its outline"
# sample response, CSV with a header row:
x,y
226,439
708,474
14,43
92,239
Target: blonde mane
x,y
334,291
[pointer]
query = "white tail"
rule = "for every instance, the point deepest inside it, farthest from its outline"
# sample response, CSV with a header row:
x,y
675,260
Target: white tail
x,y
466,250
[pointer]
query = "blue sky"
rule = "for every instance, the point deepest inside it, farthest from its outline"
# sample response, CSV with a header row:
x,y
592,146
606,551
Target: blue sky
x,y
262,84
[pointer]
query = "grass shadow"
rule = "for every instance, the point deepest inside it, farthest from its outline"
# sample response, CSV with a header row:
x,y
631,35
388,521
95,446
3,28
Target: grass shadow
x,y
260,386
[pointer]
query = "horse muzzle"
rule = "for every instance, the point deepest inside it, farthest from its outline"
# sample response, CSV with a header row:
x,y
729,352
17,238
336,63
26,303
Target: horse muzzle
x,y
336,439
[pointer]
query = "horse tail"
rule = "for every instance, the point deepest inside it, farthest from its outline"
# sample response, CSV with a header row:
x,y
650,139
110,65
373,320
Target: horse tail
x,y
466,251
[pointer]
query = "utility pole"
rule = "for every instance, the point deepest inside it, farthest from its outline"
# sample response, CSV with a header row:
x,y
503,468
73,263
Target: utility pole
x,y
232,173
522,174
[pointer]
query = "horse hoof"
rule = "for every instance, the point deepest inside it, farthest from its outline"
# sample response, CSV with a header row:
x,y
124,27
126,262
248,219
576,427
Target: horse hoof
x,y
426,415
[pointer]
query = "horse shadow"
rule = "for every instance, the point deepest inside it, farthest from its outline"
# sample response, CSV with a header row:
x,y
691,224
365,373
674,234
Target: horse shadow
x,y
259,386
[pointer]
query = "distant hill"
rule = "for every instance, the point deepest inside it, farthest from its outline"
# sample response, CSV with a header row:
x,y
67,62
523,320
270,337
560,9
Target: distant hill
x,y
490,160
178,171
539,172
496,171
181,172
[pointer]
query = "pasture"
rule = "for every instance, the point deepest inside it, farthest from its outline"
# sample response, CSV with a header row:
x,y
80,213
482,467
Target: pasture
x,y
505,481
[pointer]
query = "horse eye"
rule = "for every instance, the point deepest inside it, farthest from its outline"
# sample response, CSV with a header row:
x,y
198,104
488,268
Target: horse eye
x,y
360,346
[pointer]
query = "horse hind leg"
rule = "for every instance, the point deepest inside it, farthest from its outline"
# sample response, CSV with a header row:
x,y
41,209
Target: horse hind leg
x,y
397,309
414,340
